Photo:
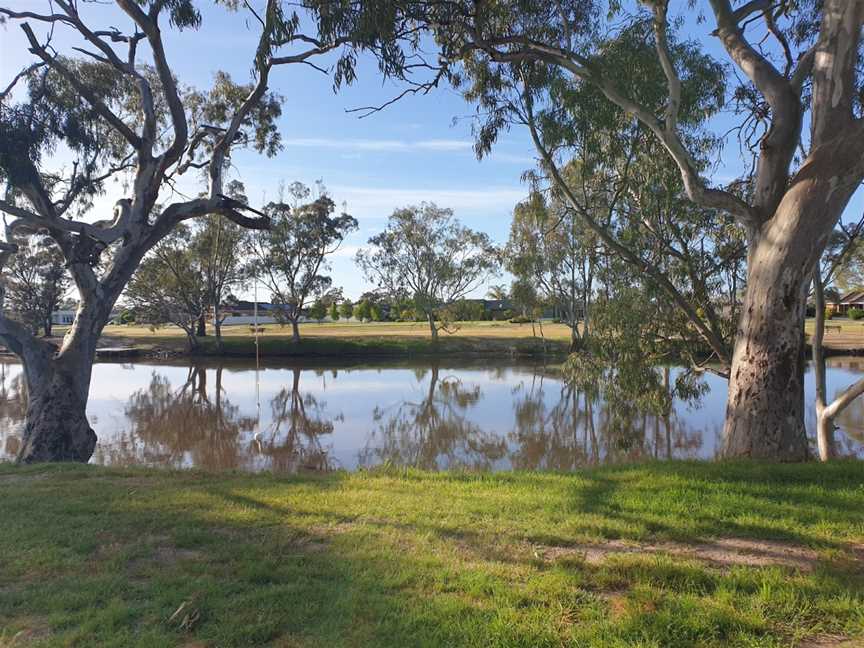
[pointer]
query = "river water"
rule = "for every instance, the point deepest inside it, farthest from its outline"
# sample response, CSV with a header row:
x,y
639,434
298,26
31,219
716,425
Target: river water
x,y
479,415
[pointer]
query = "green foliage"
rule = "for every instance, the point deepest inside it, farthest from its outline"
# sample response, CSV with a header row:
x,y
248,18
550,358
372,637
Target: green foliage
x,y
35,282
318,311
426,253
334,312
375,313
467,310
346,309
291,257
829,313
855,313
623,360
363,310
169,286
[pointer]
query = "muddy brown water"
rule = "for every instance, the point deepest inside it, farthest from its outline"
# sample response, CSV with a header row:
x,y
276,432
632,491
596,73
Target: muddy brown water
x,y
476,414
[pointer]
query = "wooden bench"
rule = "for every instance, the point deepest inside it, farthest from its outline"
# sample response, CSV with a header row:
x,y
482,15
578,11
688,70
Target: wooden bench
x,y
260,329
833,327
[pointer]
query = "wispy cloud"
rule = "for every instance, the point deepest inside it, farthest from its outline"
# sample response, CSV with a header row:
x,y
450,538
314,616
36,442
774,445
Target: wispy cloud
x,y
385,145
379,202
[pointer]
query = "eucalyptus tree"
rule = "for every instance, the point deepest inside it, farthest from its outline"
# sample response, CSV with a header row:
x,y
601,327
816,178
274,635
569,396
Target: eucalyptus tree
x,y
798,65
219,247
36,282
291,257
170,286
425,252
109,99
557,254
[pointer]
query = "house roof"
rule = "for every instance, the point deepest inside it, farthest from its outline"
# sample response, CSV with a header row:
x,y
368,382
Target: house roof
x,y
853,297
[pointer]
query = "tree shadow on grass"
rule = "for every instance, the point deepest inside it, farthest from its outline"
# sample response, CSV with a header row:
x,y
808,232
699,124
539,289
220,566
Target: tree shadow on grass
x,y
113,564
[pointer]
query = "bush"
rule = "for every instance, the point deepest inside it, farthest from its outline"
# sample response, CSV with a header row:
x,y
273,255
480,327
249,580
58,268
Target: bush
x,y
829,314
855,313
520,319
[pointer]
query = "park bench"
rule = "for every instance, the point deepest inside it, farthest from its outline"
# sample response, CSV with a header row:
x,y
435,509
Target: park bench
x,y
260,329
833,327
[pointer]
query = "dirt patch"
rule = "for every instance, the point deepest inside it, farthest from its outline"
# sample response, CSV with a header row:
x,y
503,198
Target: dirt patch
x,y
724,552
830,641
167,555
33,631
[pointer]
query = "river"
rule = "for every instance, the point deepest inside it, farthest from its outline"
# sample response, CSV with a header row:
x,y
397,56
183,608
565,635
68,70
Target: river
x,y
450,413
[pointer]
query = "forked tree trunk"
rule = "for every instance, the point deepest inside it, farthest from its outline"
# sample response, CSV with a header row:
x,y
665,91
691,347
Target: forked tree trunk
x,y
432,328
56,427
295,331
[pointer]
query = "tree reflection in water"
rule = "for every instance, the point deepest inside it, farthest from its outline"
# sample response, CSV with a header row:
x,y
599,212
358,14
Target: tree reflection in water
x,y
186,427
293,440
179,427
434,432
491,416
583,428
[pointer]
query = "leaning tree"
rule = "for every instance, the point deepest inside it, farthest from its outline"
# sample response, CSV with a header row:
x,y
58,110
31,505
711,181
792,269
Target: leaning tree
x,y
798,62
112,103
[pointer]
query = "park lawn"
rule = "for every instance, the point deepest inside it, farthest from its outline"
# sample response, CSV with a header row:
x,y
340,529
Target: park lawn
x,y
354,338
646,555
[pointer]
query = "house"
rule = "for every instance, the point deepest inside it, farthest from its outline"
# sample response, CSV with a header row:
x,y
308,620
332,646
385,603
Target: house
x,y
853,299
62,317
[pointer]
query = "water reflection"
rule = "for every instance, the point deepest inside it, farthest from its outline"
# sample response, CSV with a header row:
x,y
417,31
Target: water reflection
x,y
436,431
480,416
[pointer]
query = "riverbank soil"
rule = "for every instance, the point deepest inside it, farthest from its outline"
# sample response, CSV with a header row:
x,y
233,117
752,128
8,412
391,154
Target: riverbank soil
x,y
674,554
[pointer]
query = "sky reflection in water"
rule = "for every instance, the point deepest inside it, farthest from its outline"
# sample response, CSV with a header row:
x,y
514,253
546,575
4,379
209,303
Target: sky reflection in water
x,y
476,415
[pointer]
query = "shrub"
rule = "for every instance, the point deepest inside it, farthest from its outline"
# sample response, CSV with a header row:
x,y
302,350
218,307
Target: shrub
x,y
855,313
829,314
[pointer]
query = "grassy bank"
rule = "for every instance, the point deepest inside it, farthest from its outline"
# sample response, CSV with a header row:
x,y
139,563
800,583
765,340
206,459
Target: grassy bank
x,y
355,339
679,554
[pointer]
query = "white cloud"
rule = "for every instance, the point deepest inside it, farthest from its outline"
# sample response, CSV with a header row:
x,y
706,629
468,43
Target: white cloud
x,y
379,202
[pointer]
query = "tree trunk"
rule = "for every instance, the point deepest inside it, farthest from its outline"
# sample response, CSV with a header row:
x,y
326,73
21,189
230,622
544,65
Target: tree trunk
x,y
201,327
765,405
295,331
48,326
432,328
217,327
56,427
575,340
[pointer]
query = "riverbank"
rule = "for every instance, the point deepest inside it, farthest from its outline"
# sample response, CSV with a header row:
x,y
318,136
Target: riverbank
x,y
675,554
379,339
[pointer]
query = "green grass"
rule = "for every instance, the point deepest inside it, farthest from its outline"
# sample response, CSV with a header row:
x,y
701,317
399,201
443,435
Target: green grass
x,y
103,557
381,346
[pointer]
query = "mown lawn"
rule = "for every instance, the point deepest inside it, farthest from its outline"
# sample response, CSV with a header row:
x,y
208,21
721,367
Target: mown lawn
x,y
607,557
354,338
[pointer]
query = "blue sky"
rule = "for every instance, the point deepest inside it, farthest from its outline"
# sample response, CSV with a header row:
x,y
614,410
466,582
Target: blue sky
x,y
407,154
420,149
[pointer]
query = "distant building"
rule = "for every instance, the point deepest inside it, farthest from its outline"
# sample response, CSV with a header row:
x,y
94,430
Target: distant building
x,y
63,317
853,299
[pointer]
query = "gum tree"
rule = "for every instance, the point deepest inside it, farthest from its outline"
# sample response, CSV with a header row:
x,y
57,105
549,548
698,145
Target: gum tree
x,y
426,253
798,65
291,257
118,116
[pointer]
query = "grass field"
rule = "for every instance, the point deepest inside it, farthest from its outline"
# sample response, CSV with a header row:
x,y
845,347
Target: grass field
x,y
659,555
345,338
